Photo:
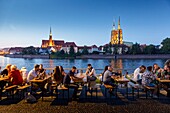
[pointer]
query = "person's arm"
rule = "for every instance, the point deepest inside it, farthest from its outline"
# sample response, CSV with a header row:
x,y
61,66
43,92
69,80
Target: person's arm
x,y
91,73
87,72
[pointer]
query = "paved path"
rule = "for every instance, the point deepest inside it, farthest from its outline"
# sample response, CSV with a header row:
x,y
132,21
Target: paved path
x,y
89,105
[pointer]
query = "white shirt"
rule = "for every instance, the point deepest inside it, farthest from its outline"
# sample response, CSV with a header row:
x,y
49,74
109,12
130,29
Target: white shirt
x,y
137,74
31,75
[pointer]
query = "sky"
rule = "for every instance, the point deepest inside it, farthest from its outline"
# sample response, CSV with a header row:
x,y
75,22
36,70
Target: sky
x,y
26,23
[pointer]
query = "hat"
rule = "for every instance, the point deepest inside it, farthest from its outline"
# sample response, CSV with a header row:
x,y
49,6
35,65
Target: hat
x,y
23,69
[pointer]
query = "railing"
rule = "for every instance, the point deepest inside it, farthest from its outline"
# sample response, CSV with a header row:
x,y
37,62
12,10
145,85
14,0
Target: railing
x,y
98,71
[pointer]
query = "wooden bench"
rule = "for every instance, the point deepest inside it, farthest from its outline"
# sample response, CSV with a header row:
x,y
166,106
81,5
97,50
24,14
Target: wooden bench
x,y
134,86
110,88
11,89
148,88
23,89
54,88
63,88
93,87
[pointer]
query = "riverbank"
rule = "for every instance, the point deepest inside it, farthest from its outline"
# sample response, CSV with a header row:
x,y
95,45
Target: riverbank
x,y
28,56
157,56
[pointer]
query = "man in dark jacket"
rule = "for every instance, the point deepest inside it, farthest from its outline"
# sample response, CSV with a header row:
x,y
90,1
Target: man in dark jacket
x,y
67,81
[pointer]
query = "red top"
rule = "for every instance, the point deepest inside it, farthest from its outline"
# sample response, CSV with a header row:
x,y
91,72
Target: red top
x,y
16,77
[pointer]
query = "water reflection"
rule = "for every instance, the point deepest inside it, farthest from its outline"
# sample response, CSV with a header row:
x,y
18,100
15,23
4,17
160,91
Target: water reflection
x,y
117,63
129,64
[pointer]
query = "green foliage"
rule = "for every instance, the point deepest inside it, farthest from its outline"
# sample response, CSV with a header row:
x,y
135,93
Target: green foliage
x,y
165,46
29,51
71,51
135,49
85,51
150,49
105,49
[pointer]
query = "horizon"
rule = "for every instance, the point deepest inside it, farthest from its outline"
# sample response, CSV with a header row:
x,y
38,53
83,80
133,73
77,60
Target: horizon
x,y
26,23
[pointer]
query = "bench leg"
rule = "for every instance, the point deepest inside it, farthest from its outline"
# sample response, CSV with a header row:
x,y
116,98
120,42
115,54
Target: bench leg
x,y
138,92
116,92
68,93
146,93
96,92
133,92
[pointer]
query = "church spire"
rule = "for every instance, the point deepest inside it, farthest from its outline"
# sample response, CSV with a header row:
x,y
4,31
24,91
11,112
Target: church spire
x,y
113,28
50,32
119,23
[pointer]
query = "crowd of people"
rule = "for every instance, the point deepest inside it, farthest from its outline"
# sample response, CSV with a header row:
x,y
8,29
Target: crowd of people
x,y
22,76
146,76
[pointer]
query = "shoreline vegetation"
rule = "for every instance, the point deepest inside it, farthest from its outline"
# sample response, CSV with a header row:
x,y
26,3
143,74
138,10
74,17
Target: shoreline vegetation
x,y
139,56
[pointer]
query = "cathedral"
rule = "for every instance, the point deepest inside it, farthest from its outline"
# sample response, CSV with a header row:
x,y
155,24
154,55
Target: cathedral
x,y
116,35
56,44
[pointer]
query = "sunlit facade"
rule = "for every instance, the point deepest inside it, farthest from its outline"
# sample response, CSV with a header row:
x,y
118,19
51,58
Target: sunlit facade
x,y
116,35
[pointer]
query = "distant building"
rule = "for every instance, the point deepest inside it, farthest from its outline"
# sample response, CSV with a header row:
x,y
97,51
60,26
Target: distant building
x,y
66,47
129,44
56,44
90,49
4,51
15,50
116,34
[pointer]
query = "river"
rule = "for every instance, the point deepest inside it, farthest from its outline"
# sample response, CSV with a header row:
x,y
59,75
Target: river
x,y
126,64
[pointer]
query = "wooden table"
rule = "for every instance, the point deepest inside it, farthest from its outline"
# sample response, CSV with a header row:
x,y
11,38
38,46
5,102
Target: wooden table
x,y
41,83
123,80
165,81
2,83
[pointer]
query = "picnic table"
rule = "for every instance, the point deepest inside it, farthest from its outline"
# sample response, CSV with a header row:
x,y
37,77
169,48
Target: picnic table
x,y
165,82
41,83
3,81
123,80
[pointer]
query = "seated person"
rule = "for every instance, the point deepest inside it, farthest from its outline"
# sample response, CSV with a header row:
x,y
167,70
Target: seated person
x,y
67,81
24,74
108,78
15,76
102,74
138,73
156,70
33,73
148,80
91,74
42,72
57,75
6,70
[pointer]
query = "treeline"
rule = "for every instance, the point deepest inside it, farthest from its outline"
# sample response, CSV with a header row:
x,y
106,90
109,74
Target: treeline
x,y
164,48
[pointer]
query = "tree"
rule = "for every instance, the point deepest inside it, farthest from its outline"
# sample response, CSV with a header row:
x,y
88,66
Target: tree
x,y
110,48
105,49
29,50
71,51
165,45
150,49
136,49
85,51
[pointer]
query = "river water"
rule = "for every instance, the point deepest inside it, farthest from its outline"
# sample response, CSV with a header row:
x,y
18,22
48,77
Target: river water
x,y
126,64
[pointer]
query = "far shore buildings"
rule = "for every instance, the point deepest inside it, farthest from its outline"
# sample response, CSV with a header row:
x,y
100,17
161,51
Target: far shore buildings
x,y
115,46
58,45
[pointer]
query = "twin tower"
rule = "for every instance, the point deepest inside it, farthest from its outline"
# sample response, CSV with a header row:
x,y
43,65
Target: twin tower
x,y
116,35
